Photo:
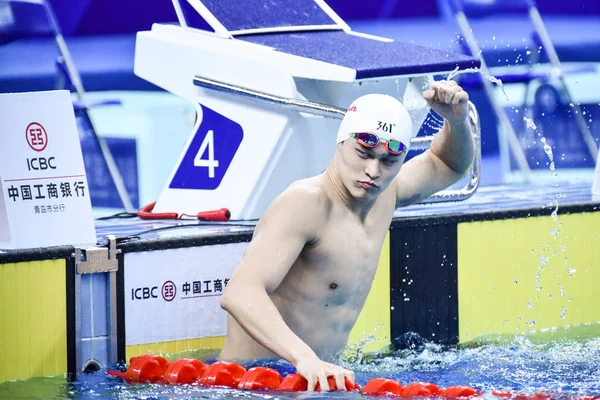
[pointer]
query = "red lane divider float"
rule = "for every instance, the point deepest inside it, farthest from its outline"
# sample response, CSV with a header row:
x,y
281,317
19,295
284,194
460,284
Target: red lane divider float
x,y
151,369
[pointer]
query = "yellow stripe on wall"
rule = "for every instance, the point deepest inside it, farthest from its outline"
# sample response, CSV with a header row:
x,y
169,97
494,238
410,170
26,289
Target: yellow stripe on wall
x,y
175,346
374,318
518,276
33,332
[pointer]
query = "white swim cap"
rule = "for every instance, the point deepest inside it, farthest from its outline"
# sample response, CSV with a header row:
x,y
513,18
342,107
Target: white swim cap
x,y
381,114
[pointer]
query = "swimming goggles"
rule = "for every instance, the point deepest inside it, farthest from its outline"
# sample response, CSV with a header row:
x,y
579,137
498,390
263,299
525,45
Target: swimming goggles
x,y
393,146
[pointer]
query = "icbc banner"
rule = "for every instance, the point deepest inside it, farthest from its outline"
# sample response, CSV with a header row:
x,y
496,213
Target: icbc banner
x,y
45,199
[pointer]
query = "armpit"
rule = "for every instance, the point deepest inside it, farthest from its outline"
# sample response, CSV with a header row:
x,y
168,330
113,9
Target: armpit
x,y
407,201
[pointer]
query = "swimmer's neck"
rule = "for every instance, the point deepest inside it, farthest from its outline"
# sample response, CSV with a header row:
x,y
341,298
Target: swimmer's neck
x,y
341,193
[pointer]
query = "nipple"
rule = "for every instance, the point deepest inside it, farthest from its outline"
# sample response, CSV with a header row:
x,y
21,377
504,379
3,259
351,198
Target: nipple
x,y
333,285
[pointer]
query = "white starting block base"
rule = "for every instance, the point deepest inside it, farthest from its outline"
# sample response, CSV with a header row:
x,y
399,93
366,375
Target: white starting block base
x,y
244,152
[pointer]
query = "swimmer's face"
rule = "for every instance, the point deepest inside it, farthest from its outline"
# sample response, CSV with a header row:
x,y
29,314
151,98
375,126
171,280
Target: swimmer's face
x,y
366,171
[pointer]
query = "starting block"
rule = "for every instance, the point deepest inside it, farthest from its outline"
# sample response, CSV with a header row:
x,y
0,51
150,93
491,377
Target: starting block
x,y
271,81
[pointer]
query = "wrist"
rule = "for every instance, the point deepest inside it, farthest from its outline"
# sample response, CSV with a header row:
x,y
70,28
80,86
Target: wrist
x,y
302,355
458,123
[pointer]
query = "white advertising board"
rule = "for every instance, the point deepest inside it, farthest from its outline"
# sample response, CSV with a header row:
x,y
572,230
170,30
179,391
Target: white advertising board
x,y
174,294
45,198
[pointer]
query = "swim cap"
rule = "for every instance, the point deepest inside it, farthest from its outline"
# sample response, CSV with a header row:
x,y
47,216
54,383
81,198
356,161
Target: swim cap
x,y
381,114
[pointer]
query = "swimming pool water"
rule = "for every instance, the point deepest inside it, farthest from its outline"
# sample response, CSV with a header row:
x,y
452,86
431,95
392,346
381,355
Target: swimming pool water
x,y
562,368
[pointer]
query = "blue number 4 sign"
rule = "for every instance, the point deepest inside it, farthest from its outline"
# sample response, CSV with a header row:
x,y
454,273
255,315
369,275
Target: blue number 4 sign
x,y
209,154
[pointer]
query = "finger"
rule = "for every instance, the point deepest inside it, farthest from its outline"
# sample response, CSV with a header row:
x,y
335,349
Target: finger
x,y
431,95
323,382
311,383
441,94
449,94
339,381
460,96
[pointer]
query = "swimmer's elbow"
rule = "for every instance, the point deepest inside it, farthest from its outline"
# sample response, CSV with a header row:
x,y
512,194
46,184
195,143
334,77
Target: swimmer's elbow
x,y
235,297
231,298
226,300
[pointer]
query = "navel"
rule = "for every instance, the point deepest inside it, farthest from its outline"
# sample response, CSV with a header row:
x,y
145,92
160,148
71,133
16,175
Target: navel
x,y
333,285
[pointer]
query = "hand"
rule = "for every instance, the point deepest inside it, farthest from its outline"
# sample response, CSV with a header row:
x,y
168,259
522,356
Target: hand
x,y
314,370
449,100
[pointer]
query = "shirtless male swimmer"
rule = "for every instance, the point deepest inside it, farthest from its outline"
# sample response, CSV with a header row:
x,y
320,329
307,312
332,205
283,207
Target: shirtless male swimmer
x,y
300,285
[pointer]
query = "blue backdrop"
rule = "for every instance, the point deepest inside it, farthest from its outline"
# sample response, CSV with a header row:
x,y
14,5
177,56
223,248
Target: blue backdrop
x,y
95,17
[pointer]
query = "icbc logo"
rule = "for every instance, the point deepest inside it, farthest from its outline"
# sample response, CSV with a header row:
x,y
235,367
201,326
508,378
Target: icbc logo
x,y
144,293
36,135
169,290
151,292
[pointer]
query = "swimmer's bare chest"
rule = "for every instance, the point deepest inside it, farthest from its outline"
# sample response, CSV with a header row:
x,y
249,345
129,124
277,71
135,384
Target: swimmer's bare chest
x,y
336,271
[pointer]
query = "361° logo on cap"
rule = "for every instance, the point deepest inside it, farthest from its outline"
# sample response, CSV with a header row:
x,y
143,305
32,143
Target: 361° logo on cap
x,y
36,136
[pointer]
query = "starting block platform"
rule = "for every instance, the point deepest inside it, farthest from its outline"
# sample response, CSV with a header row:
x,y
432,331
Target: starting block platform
x,y
270,87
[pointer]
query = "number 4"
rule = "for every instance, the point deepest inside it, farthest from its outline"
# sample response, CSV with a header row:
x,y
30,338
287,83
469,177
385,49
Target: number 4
x,y
210,163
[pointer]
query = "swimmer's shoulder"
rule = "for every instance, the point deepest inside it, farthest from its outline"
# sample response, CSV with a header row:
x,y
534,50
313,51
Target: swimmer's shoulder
x,y
311,194
303,208
305,199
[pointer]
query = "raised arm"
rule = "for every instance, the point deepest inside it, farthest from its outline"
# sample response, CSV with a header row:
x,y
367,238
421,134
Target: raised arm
x,y
451,152
291,221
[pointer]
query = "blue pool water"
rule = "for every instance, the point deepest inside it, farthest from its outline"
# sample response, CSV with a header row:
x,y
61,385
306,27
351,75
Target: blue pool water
x,y
562,368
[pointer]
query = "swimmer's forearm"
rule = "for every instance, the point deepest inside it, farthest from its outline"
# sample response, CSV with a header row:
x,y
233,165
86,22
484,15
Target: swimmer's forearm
x,y
454,146
262,321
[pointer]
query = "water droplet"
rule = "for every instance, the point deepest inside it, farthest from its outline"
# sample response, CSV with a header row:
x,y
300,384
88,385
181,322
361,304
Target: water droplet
x,y
563,314
572,271
406,299
529,304
529,123
392,308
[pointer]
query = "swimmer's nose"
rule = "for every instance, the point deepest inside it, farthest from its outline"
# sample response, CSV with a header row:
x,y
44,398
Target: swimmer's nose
x,y
372,169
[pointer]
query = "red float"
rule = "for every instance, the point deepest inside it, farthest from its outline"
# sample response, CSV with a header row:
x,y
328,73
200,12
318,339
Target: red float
x,y
260,378
184,371
223,373
150,369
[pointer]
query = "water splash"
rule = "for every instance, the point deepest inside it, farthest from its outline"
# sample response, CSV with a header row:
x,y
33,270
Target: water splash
x,y
529,123
490,78
548,151
352,354
554,214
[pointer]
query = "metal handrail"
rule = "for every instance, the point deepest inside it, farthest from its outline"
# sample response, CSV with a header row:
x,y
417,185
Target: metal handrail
x,y
329,111
474,172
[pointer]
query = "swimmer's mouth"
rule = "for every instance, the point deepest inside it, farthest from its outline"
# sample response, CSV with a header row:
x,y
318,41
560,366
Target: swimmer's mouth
x,y
368,185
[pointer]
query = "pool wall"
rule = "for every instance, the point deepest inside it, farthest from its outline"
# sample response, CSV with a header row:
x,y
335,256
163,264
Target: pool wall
x,y
451,279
